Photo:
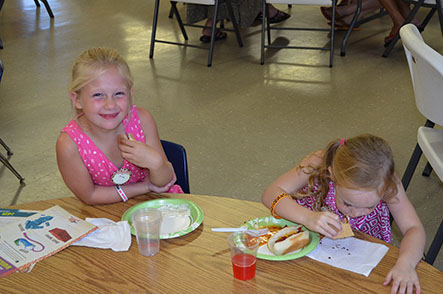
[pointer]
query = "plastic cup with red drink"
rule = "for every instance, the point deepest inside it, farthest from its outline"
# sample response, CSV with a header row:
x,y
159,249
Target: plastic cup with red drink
x,y
244,246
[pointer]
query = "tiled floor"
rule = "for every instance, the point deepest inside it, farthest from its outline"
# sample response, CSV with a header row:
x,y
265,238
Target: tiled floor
x,y
242,124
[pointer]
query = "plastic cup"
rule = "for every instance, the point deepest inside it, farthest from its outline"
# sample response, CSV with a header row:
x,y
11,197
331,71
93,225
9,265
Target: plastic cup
x,y
146,223
244,246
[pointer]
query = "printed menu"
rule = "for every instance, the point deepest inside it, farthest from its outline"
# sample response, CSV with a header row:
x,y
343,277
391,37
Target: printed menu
x,y
40,235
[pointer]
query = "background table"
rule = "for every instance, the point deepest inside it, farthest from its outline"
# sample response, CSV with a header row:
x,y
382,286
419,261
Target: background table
x,y
198,262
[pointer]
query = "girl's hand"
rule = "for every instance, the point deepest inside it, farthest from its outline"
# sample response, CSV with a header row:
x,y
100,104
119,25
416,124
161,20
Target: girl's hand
x,y
140,154
404,278
325,223
156,189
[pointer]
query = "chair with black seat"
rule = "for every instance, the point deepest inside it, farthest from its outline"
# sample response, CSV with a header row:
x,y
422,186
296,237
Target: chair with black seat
x,y
214,3
3,158
176,154
426,68
266,26
433,5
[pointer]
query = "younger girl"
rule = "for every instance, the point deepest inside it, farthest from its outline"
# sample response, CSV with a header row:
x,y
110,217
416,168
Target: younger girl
x,y
95,164
352,178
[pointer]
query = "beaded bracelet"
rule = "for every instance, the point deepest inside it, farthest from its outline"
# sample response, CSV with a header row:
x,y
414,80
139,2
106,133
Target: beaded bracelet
x,y
121,193
275,202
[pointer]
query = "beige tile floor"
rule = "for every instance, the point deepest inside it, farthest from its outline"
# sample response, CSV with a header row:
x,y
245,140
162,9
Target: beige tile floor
x,y
242,124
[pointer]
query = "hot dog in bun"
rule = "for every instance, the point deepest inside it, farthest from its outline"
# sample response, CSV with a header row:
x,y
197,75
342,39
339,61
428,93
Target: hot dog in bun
x,y
288,240
128,137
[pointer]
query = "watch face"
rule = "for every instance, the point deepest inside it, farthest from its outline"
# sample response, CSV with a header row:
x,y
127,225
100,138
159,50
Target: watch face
x,y
121,176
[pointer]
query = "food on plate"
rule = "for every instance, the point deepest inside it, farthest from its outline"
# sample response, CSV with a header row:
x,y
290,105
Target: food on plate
x,y
288,240
175,218
272,230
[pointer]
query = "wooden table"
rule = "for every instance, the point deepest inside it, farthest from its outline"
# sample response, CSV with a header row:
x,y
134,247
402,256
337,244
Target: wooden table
x,y
198,262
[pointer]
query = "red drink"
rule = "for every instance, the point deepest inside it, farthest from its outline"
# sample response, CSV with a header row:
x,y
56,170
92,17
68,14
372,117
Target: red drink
x,y
243,266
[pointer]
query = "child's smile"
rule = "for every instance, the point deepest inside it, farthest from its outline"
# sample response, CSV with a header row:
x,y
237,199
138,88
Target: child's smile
x,y
109,116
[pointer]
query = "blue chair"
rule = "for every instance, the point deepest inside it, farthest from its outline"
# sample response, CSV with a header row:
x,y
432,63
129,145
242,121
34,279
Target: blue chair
x,y
176,154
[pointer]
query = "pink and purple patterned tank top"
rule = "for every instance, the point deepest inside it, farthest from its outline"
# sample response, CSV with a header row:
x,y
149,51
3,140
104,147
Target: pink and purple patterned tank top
x,y
99,166
376,223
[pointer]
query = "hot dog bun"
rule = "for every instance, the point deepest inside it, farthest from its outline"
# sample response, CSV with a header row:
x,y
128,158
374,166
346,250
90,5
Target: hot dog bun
x,y
288,240
122,136
131,137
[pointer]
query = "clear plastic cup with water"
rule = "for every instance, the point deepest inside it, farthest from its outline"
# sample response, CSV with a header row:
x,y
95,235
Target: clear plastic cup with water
x,y
146,222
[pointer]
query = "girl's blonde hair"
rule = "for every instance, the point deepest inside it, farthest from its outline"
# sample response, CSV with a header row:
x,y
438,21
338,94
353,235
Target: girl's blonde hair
x,y
362,162
93,63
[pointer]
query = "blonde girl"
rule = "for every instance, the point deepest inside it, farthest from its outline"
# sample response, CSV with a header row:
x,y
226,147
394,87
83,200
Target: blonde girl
x,y
95,164
352,178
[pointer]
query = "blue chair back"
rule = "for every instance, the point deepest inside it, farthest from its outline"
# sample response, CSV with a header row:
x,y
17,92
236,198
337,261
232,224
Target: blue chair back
x,y
176,154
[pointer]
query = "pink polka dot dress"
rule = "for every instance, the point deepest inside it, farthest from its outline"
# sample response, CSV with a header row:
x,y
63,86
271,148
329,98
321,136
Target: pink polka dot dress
x,y
99,166
376,223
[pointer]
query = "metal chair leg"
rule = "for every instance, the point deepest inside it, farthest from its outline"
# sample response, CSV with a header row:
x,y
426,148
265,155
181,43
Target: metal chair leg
x,y
440,15
427,171
411,166
262,60
6,162
171,12
414,160
234,23
48,8
154,28
213,32
435,246
268,25
179,20
6,147
331,53
348,33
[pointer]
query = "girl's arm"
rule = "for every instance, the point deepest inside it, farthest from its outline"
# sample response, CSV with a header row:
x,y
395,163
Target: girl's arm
x,y
412,245
78,180
291,182
151,154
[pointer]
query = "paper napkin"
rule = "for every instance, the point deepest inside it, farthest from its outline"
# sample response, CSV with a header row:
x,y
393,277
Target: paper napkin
x,y
109,235
351,254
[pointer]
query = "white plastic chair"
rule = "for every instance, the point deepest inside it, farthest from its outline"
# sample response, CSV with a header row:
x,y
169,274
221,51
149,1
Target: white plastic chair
x,y
265,22
426,67
214,3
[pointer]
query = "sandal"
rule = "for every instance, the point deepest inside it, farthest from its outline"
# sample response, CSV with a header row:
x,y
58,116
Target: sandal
x,y
341,26
279,17
219,35
389,39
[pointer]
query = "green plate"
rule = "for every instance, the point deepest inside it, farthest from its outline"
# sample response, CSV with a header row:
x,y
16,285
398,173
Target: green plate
x,y
269,221
196,214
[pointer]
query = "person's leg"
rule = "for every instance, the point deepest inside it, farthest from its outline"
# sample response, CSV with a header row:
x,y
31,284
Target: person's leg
x,y
276,15
207,30
405,10
345,13
348,11
397,18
